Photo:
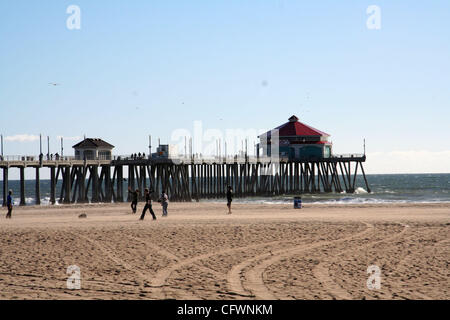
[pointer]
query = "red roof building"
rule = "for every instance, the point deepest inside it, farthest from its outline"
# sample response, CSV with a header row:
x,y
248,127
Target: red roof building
x,y
296,141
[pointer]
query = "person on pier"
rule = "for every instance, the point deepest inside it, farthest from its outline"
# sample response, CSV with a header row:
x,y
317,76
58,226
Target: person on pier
x,y
9,204
229,198
134,199
164,200
148,205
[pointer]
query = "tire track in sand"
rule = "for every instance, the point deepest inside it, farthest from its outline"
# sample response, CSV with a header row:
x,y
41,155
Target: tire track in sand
x,y
161,251
255,283
173,257
147,280
322,271
402,262
160,278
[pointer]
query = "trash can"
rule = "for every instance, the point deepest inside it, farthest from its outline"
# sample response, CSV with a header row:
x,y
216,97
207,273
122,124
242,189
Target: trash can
x,y
297,203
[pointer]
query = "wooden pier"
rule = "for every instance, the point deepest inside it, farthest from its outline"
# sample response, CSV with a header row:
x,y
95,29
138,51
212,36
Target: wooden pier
x,y
186,180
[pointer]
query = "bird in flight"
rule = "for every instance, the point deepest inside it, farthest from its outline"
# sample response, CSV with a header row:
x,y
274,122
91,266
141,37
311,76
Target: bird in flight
x,y
54,84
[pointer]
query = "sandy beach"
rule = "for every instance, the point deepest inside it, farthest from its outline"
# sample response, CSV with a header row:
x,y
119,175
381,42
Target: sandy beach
x,y
261,251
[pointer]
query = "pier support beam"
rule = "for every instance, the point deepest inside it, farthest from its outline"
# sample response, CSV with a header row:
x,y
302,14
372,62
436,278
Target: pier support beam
x,y
130,180
38,187
5,185
95,193
82,184
52,186
108,186
67,184
22,186
365,178
120,184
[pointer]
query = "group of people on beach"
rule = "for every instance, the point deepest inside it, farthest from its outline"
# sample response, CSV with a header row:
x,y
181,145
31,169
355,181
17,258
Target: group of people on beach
x,y
163,200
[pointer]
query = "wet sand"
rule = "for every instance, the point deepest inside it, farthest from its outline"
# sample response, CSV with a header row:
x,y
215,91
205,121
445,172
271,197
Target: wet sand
x,y
261,251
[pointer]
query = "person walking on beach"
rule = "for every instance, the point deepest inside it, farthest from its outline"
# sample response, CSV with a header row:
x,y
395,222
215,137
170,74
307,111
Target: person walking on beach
x,y
134,198
229,198
148,205
9,204
164,200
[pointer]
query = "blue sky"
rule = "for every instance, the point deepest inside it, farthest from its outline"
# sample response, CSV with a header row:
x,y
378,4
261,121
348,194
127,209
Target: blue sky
x,y
151,67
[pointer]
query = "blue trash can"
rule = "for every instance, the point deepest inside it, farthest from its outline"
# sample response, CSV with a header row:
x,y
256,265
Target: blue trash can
x,y
297,203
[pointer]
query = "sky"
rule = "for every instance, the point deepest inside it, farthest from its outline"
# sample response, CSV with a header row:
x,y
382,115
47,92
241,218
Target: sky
x,y
140,68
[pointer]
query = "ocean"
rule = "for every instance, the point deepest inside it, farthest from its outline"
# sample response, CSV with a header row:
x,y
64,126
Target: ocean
x,y
386,188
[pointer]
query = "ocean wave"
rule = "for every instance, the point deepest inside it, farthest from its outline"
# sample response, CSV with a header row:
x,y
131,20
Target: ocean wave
x,y
341,201
360,190
378,201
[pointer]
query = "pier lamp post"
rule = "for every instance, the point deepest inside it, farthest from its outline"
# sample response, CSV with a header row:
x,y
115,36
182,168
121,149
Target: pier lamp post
x,y
149,146
225,149
62,147
40,144
246,148
2,145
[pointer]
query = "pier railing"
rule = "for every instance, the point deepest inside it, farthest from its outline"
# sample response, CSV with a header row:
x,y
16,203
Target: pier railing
x,y
126,159
348,155
15,158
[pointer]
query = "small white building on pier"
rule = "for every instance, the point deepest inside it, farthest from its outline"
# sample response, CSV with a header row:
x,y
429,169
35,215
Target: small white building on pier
x,y
93,149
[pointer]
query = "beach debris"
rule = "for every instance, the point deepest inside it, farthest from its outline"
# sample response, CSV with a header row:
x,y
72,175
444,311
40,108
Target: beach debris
x,y
82,216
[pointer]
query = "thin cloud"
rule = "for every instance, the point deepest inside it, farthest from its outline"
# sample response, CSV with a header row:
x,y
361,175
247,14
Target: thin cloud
x,y
22,138
408,161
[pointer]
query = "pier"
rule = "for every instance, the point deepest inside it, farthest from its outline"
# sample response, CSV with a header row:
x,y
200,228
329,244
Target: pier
x,y
184,179
292,159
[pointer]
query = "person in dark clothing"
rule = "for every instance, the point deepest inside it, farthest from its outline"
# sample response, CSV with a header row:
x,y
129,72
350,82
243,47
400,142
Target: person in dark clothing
x,y
148,205
229,198
9,204
134,198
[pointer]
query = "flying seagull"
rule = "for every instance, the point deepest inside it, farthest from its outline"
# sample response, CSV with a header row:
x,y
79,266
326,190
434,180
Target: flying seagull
x,y
54,84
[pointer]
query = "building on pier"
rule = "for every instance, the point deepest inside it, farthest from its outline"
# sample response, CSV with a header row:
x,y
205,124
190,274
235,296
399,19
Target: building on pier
x,y
93,149
166,151
297,141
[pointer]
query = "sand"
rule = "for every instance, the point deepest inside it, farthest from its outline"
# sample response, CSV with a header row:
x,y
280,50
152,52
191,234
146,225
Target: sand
x,y
261,251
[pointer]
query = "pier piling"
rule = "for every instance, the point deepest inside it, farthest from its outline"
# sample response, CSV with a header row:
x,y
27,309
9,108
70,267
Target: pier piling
x,y
5,185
